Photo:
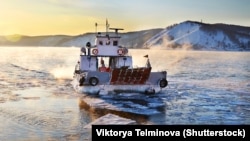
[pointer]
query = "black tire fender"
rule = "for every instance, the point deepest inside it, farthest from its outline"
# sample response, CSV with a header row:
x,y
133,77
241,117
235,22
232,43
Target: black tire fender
x,y
93,81
150,91
163,83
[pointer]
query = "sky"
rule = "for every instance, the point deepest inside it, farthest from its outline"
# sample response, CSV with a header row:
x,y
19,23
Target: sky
x,y
74,17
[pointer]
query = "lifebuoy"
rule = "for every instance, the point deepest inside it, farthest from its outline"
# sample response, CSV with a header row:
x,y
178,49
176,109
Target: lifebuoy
x,y
93,81
95,51
163,83
120,51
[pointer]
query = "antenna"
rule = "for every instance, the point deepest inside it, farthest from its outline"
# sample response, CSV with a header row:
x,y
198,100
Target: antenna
x,y
107,26
116,29
96,28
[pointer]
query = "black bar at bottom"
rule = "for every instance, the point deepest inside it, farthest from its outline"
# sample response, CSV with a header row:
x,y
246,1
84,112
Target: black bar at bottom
x,y
173,132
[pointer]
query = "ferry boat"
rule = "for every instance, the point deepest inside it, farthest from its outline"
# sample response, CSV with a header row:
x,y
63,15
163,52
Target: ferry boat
x,y
118,75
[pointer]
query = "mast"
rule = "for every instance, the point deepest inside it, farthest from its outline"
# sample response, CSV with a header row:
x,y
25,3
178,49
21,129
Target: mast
x,y
107,27
96,28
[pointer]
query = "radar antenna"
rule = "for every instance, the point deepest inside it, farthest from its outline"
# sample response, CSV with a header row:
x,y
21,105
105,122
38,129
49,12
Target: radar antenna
x,y
116,29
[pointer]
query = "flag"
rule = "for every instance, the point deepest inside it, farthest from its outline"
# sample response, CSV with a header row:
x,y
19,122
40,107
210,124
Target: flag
x,y
146,56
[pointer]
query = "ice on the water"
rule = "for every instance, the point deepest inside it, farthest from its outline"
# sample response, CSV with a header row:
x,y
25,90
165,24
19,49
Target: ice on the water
x,y
132,103
112,120
204,88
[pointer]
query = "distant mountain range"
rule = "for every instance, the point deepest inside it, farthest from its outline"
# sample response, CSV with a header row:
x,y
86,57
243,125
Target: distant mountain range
x,y
185,35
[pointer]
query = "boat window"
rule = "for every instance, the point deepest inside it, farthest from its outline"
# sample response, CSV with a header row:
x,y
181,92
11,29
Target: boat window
x,y
108,42
100,43
115,43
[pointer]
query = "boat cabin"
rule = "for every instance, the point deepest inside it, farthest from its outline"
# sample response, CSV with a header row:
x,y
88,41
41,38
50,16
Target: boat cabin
x,y
106,54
